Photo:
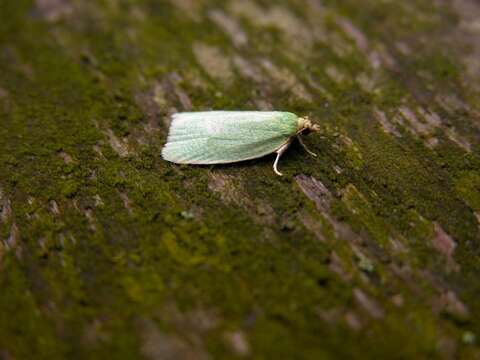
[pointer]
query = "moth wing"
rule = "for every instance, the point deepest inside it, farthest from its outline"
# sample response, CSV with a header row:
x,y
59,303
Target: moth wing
x,y
216,137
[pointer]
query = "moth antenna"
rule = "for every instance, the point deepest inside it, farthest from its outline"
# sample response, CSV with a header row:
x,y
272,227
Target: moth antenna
x,y
305,147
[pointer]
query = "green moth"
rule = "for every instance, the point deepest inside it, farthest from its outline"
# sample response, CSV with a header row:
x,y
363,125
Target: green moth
x,y
219,137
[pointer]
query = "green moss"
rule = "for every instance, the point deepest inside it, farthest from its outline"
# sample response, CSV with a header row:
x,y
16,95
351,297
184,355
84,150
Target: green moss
x,y
31,326
70,188
468,187
105,241
469,338
360,209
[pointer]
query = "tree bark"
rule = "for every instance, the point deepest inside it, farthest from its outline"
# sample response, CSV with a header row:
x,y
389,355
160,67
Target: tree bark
x,y
370,250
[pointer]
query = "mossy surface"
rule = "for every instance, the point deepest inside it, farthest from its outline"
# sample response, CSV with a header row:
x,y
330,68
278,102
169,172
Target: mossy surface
x,y
370,250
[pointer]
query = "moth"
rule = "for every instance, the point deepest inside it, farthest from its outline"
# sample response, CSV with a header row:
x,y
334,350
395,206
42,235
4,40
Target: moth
x,y
220,137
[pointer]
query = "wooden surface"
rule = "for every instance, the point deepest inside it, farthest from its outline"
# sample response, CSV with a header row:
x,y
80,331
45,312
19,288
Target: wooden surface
x,y
370,250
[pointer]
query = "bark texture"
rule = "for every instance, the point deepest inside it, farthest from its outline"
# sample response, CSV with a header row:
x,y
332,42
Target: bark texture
x,y
371,250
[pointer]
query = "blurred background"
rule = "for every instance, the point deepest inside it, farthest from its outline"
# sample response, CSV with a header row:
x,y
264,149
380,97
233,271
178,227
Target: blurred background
x,y
369,251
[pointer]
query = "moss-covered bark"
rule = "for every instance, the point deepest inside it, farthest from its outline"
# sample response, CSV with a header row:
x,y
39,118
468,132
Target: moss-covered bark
x,y
371,250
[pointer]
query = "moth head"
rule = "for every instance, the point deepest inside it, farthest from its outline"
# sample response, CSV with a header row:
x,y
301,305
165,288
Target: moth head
x,y
306,126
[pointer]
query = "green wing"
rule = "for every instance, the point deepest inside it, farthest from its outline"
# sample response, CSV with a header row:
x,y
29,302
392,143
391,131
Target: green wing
x,y
215,137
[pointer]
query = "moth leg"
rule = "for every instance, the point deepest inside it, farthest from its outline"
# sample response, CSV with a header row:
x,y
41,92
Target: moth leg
x,y
305,146
280,152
